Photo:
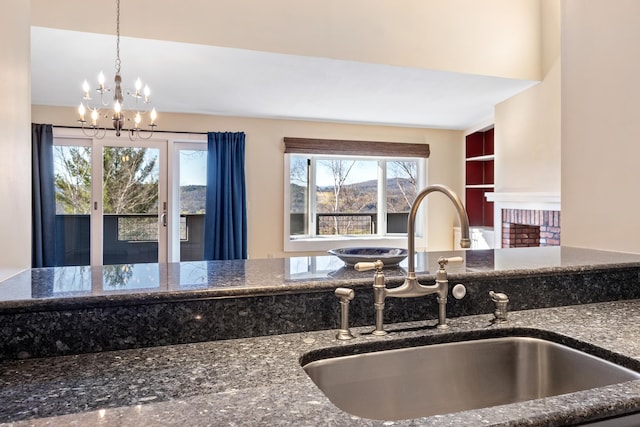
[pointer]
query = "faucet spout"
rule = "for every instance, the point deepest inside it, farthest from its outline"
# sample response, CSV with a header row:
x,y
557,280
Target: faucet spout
x,y
465,242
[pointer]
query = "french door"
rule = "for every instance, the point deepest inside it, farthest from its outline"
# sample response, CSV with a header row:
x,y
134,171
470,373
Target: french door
x,y
124,202
130,205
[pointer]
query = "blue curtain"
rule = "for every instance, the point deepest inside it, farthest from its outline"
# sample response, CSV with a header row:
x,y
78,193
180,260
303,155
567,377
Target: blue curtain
x,y
225,223
43,206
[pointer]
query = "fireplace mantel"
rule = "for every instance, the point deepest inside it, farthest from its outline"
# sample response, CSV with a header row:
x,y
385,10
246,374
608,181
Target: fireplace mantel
x,y
525,200
519,200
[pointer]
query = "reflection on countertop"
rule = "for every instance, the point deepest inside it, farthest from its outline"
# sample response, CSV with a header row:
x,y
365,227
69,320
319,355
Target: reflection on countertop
x,y
263,276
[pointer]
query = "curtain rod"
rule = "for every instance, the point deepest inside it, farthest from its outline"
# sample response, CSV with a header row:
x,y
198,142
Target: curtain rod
x,y
155,131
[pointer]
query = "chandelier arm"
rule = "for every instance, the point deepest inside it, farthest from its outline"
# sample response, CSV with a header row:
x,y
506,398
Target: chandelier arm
x,y
139,135
90,134
93,131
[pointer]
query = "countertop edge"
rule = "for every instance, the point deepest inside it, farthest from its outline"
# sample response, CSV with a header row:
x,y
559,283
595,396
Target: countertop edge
x,y
286,287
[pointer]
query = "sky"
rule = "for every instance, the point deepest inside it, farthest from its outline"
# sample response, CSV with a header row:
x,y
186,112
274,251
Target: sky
x,y
193,167
363,170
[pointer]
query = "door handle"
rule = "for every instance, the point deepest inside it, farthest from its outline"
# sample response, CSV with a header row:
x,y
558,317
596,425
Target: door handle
x,y
163,217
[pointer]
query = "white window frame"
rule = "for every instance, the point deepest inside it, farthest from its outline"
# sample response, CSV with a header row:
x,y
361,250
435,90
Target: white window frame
x,y
314,243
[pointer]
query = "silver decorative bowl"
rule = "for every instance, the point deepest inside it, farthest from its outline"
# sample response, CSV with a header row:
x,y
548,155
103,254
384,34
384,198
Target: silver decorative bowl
x,y
389,256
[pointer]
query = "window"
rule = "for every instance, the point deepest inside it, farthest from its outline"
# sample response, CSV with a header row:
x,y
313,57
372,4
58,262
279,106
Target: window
x,y
355,198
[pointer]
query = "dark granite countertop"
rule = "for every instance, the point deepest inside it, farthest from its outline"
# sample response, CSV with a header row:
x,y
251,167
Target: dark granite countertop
x,y
84,286
259,381
233,361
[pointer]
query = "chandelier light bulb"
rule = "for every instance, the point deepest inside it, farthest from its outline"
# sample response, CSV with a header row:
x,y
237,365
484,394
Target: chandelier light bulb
x,y
137,119
138,86
154,116
81,111
101,81
85,89
117,108
147,92
94,116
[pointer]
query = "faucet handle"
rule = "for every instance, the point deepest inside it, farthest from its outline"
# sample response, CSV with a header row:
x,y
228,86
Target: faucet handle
x,y
366,266
345,295
498,296
444,261
500,300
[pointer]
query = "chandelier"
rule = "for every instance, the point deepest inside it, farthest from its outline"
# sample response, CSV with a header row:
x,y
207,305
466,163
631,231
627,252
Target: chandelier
x,y
139,96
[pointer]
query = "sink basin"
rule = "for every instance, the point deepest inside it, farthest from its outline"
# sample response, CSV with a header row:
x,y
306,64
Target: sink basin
x,y
442,378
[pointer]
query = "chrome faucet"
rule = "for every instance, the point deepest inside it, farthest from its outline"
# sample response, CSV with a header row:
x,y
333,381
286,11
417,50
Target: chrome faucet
x,y
411,288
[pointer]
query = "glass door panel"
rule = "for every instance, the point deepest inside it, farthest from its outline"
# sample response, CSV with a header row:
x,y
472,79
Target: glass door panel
x,y
130,205
192,194
72,181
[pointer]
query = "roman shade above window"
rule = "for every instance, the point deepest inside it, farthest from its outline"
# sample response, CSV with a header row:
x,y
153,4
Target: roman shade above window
x,y
355,148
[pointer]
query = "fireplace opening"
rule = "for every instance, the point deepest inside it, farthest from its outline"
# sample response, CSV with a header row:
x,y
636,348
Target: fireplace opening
x,y
522,228
521,235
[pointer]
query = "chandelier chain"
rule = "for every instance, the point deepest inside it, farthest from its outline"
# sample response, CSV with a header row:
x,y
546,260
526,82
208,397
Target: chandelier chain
x,y
118,37
119,117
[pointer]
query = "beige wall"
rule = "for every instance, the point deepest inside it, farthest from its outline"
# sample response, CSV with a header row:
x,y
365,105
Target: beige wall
x,y
454,35
265,166
601,110
527,139
15,139
527,126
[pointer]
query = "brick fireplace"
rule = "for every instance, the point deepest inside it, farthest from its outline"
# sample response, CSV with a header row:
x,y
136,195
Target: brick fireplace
x,y
527,228
525,219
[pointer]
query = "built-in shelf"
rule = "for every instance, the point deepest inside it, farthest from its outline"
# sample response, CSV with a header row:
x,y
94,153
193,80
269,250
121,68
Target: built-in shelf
x,y
484,158
479,163
486,186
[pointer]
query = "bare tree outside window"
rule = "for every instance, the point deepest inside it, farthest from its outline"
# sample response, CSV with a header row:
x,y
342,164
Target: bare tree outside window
x,y
340,171
348,196
298,173
404,177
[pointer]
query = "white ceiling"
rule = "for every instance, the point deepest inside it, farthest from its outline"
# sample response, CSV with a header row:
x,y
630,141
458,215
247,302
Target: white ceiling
x,y
202,79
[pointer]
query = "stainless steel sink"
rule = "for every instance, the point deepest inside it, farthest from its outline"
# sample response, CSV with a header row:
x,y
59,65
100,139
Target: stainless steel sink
x,y
442,378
